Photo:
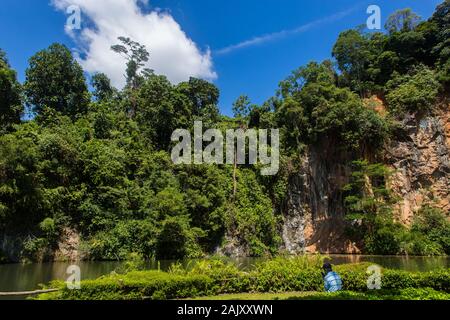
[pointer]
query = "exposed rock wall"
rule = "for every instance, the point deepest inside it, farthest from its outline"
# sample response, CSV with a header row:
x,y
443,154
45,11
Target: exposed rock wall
x,y
67,248
313,219
421,162
420,157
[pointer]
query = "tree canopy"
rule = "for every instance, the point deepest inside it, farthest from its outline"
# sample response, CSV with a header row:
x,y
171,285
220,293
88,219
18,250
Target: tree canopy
x,y
11,107
55,80
100,164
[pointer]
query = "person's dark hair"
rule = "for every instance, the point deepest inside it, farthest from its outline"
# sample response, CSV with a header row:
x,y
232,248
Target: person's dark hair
x,y
327,267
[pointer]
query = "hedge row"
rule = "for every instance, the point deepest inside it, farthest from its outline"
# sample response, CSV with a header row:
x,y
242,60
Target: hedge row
x,y
135,285
401,294
269,278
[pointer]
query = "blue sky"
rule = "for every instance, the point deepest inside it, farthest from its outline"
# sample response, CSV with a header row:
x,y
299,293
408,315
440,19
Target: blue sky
x,y
214,31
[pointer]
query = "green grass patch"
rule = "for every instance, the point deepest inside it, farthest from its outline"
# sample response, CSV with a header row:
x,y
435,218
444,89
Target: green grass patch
x,y
404,294
216,277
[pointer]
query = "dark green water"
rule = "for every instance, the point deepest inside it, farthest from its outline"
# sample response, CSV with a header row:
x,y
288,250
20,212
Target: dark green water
x,y
18,277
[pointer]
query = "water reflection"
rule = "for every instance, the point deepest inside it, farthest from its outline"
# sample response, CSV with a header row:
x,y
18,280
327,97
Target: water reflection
x,y
25,277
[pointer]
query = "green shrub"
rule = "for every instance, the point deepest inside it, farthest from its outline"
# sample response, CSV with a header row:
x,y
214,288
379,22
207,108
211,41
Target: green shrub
x,y
418,294
226,276
3,258
302,273
432,224
133,236
48,226
416,243
438,280
134,262
414,92
383,241
137,285
34,249
279,275
354,276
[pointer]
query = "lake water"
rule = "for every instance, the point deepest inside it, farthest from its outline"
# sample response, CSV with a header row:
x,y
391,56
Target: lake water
x,y
26,277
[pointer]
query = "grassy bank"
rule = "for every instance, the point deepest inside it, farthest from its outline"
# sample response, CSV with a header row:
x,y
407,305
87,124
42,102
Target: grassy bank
x,y
403,294
212,278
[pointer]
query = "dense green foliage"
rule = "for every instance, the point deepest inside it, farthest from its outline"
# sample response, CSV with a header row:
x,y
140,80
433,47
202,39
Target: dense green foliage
x,y
122,195
369,60
402,21
56,81
312,108
369,204
99,164
432,232
414,92
10,95
105,175
213,277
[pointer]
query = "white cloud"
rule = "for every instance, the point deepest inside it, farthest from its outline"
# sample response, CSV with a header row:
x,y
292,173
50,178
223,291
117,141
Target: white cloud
x,y
284,33
172,53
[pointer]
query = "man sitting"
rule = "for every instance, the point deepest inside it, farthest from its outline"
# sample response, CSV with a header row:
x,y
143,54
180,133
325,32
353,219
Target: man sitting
x,y
331,279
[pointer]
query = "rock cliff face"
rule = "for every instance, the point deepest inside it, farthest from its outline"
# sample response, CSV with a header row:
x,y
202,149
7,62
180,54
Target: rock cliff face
x,y
68,246
313,219
421,160
67,249
420,157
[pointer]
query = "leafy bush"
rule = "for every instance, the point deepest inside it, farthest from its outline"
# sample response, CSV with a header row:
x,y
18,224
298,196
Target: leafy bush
x,y
213,277
227,278
416,294
34,249
416,243
134,262
136,285
3,258
384,239
431,223
415,92
302,273
48,227
134,236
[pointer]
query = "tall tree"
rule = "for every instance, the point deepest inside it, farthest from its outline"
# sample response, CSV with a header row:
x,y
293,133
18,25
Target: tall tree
x,y
203,97
442,19
103,90
242,107
11,106
313,72
352,52
55,80
403,20
161,110
136,55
